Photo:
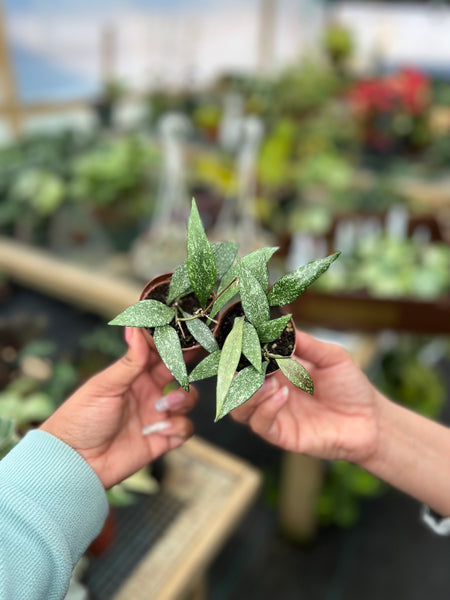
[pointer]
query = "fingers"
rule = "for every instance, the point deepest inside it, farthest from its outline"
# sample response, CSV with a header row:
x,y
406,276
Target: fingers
x,y
319,354
263,420
178,401
177,428
243,413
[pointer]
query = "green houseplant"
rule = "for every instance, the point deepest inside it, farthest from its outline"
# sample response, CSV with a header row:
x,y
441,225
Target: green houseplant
x,y
241,355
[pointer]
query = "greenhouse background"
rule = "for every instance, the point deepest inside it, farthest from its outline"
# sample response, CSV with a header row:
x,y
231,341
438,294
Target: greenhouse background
x,y
306,125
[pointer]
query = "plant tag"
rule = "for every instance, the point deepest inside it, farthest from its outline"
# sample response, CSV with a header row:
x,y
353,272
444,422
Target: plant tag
x,y
145,313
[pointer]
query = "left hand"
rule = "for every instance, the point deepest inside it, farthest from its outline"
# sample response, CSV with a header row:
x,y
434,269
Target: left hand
x,y
105,420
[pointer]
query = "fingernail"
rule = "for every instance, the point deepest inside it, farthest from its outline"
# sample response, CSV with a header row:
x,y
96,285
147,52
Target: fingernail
x,y
268,385
128,334
281,394
155,427
171,400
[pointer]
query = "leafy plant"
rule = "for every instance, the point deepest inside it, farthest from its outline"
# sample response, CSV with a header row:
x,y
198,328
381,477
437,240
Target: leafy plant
x,y
214,275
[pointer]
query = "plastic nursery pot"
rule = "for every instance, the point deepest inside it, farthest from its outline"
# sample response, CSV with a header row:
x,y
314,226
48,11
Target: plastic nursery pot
x,y
158,289
284,345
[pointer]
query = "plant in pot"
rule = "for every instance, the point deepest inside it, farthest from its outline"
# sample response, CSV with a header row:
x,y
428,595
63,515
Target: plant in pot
x,y
245,343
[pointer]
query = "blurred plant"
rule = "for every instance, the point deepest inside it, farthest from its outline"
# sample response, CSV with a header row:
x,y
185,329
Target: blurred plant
x,y
339,44
214,171
392,111
206,118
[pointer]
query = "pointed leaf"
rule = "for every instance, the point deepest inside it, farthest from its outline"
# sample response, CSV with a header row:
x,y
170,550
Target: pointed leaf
x,y
145,313
253,298
251,346
296,373
288,288
208,367
225,254
257,261
202,333
229,360
225,296
200,258
168,345
244,385
268,332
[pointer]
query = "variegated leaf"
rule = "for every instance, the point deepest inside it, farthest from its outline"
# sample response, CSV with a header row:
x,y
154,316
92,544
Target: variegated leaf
x,y
296,373
244,385
201,263
208,367
202,333
145,313
168,345
251,346
270,331
288,288
179,283
253,298
229,360
257,261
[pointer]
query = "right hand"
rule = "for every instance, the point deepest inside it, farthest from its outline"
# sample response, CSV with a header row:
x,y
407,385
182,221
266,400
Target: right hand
x,y
338,422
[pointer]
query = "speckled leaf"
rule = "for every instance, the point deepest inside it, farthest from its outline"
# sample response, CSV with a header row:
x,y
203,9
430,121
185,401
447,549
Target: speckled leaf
x,y
244,385
225,296
145,313
288,288
296,373
229,360
268,332
251,346
224,255
168,345
257,261
208,367
202,333
201,263
253,298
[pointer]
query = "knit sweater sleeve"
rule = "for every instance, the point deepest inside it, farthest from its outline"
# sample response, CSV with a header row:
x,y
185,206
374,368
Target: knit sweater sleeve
x,y
52,505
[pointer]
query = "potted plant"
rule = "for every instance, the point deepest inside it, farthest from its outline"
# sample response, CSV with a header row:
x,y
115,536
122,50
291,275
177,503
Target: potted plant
x,y
244,347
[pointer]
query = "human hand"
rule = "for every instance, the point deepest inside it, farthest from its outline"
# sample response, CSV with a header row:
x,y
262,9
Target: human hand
x,y
338,422
117,421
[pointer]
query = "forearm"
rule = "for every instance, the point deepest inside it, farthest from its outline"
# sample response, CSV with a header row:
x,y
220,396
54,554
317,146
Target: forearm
x,y
413,455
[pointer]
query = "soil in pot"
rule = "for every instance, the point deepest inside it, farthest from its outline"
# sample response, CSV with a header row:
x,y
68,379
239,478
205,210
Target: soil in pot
x,y
283,345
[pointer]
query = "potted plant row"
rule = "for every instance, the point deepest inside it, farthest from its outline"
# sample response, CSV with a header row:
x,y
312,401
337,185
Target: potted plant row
x,y
222,304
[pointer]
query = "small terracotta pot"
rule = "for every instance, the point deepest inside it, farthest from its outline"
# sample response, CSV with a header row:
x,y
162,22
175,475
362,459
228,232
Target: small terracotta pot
x,y
191,353
237,307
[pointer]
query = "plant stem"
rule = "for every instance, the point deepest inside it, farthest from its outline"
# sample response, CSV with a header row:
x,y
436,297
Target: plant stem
x,y
204,312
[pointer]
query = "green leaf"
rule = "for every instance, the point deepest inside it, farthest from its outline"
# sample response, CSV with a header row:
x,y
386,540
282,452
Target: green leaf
x,y
229,360
202,333
253,298
208,367
200,258
224,255
296,373
244,385
225,296
257,261
288,288
268,332
168,345
251,346
145,313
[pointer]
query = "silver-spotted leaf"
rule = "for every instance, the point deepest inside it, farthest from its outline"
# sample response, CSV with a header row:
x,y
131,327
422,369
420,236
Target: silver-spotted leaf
x,y
253,298
251,346
179,283
288,288
229,360
201,263
257,261
296,373
202,333
225,296
244,385
168,345
208,367
145,313
270,331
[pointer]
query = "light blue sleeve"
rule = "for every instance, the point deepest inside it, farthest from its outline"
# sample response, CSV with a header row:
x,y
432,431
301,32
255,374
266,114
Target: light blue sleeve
x,y
52,505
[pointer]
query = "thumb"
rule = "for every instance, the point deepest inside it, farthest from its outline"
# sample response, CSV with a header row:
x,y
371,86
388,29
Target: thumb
x,y
123,372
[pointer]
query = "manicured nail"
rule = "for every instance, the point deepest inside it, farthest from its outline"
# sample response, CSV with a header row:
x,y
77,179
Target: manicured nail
x,y
281,394
268,385
155,427
171,400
